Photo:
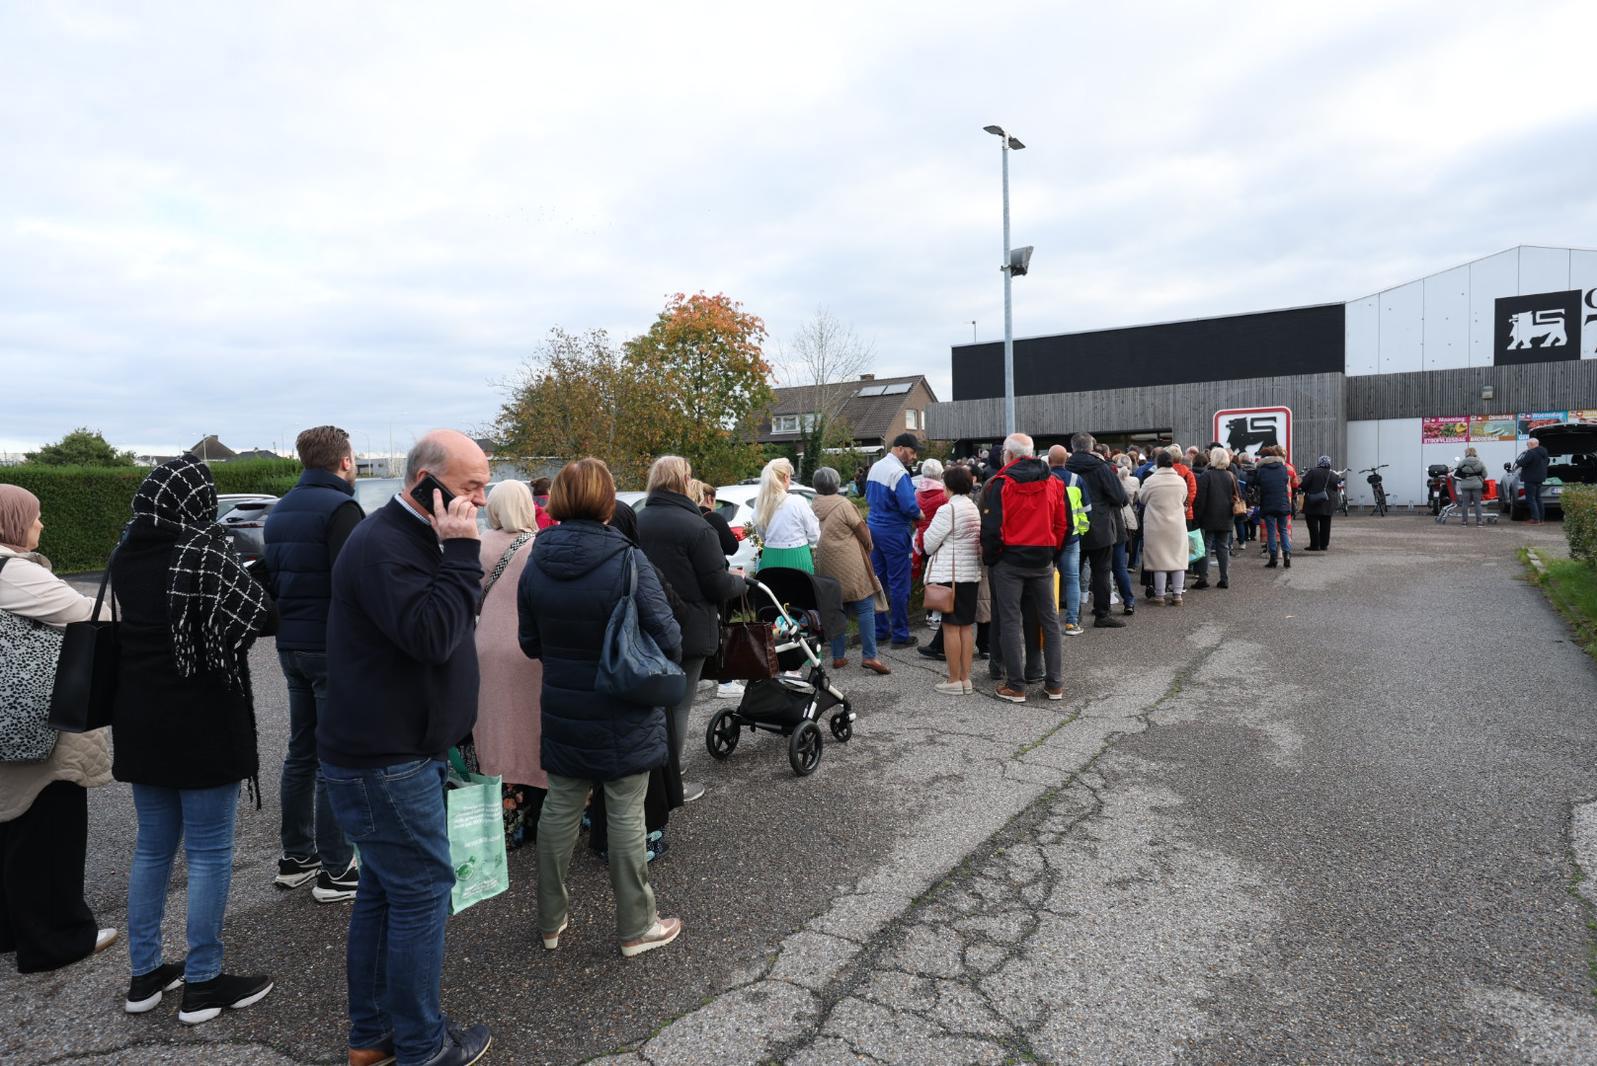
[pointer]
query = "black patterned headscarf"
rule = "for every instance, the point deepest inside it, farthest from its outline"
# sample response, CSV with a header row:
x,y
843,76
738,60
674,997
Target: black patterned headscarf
x,y
214,606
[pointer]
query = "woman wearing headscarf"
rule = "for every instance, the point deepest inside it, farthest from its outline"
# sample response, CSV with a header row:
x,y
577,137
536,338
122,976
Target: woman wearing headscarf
x,y
44,806
508,720
1317,486
184,728
785,521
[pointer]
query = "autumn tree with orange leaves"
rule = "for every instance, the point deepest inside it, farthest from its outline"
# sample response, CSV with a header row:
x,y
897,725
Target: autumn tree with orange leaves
x,y
693,385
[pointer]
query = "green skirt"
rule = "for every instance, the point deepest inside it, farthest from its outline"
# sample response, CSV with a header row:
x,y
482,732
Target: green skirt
x,y
799,558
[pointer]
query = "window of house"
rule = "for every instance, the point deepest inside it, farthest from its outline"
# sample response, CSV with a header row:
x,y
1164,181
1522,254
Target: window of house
x,y
784,423
911,418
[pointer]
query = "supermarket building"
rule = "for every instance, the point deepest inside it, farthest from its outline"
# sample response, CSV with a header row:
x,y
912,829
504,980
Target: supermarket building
x,y
1473,356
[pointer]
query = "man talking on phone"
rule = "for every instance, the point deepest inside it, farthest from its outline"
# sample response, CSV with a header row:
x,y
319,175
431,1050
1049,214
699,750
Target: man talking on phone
x,y
402,688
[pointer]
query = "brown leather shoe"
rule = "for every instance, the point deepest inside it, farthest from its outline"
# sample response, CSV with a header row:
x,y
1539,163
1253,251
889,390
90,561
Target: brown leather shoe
x,y
875,665
838,664
370,1056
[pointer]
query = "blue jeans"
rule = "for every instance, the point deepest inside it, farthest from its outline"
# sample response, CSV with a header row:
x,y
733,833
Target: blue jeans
x,y
1122,574
308,824
890,551
395,958
1069,563
1533,499
1274,523
202,818
862,610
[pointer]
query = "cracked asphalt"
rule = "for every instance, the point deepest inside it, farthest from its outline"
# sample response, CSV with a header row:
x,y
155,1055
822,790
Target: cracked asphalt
x,y
1334,814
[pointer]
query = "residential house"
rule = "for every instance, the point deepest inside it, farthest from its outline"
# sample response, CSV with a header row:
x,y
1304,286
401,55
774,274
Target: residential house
x,y
876,410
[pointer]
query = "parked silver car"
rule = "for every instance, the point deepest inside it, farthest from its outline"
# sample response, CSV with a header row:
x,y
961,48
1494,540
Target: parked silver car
x,y
1572,447
242,515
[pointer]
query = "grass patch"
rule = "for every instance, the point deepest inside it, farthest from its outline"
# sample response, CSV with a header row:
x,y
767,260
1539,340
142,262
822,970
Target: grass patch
x,y
1571,586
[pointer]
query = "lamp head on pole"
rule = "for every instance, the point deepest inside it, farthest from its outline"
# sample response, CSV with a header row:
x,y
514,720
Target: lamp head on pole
x,y
998,131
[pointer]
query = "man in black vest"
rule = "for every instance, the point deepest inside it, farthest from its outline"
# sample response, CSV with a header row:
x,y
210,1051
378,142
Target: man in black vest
x,y
304,534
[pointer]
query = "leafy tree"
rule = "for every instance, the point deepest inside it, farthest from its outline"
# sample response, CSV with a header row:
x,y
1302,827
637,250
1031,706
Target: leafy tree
x,y
81,447
699,380
567,400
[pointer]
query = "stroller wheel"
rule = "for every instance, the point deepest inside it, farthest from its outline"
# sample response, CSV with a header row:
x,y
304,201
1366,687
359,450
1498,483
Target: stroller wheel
x,y
804,748
842,728
722,736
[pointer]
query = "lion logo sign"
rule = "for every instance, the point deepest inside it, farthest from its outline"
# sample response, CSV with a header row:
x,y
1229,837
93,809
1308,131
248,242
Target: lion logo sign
x,y
1537,329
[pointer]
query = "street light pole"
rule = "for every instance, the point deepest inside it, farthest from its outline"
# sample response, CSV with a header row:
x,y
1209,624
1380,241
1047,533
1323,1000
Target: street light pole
x,y
1006,142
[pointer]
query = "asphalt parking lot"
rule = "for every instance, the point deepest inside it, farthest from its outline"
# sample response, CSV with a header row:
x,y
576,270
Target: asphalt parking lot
x,y
1331,814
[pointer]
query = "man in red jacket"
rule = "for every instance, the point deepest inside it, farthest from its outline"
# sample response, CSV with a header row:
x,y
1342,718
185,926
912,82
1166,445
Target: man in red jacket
x,y
1023,528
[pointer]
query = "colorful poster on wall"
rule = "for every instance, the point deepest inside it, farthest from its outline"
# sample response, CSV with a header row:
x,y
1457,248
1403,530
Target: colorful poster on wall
x,y
1588,417
1444,430
1534,419
1493,427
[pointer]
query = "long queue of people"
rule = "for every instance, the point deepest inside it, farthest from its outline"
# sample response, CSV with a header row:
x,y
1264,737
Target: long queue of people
x,y
401,635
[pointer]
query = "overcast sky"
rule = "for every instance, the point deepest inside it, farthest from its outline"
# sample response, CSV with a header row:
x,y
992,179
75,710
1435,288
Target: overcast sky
x,y
251,218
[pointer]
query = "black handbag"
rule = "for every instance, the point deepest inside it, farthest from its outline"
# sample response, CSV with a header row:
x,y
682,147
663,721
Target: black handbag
x,y
85,675
631,664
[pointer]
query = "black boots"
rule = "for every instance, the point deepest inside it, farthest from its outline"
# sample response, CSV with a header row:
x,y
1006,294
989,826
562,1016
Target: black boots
x,y
1271,564
1286,560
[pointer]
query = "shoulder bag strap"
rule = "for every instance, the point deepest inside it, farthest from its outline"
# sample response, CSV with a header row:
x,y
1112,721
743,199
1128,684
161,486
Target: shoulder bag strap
x,y
504,563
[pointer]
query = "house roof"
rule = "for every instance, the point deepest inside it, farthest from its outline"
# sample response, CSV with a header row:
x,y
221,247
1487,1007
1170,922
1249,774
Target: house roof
x,y
209,447
870,416
257,453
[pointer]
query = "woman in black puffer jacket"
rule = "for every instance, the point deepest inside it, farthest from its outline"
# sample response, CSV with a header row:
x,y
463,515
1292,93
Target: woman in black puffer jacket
x,y
578,572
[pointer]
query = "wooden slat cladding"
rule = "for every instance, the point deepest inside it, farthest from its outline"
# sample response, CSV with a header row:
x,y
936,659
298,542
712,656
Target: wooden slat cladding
x,y
1570,384
1319,412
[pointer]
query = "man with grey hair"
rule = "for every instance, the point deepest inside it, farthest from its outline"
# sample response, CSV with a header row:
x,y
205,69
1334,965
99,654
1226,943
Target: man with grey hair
x,y
1022,530
402,689
1533,464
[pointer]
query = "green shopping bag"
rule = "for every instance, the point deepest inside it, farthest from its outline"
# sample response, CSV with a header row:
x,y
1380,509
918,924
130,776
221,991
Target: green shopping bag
x,y
1196,548
476,841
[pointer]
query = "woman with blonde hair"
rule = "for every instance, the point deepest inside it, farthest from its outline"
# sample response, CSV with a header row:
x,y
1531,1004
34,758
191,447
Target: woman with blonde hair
x,y
44,806
785,520
509,728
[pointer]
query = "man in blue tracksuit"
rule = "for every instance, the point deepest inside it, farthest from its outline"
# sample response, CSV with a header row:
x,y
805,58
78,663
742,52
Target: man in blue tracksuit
x,y
890,492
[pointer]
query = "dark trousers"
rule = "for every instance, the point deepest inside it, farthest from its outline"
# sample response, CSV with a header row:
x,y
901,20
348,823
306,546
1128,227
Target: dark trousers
x,y
1101,560
1319,531
1031,635
1533,499
43,917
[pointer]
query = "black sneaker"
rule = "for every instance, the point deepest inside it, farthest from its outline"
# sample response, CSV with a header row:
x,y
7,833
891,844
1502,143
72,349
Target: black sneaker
x,y
1108,622
144,992
910,643
206,1000
462,1047
292,873
931,652
340,889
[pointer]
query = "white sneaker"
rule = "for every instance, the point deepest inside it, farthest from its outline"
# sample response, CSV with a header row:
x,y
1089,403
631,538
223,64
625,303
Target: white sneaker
x,y
950,688
729,690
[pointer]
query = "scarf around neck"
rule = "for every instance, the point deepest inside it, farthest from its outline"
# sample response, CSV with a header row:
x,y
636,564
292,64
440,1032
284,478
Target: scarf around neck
x,y
213,606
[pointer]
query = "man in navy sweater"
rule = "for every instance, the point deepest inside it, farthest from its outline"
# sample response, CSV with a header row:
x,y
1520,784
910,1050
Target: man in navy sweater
x,y
402,688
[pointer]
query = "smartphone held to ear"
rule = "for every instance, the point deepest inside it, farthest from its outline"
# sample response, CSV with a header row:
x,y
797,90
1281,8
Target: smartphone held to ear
x,y
422,494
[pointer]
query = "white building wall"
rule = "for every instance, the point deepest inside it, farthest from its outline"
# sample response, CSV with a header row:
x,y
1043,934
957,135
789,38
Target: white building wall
x,y
1489,278
1395,442
1402,328
1446,320
1363,336
1543,270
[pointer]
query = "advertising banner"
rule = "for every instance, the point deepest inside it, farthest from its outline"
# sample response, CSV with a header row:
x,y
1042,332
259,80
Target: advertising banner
x,y
1444,430
1589,417
1529,422
1493,427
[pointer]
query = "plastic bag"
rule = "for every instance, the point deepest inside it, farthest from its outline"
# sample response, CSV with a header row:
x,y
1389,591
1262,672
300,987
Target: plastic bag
x,y
1196,548
476,841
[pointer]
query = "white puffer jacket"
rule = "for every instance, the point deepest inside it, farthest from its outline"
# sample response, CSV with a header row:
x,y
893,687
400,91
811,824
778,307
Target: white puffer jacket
x,y
953,542
29,589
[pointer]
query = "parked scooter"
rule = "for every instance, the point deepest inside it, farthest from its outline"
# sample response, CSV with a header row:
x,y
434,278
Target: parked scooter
x,y
1436,494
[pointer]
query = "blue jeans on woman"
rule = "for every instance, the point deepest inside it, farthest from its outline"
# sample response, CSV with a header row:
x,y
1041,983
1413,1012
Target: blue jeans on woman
x,y
1281,523
394,961
202,819
865,611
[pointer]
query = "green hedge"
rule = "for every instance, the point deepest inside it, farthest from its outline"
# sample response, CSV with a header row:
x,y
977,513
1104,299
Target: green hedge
x,y
85,507
1580,521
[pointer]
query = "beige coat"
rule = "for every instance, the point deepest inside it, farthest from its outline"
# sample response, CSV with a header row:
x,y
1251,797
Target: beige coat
x,y
1164,520
841,555
29,589
509,728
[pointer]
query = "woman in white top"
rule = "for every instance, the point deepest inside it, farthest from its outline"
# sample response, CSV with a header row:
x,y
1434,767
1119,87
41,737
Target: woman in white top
x,y
44,806
785,521
953,551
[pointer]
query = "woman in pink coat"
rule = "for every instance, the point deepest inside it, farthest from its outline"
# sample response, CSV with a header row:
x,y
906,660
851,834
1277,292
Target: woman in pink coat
x,y
508,717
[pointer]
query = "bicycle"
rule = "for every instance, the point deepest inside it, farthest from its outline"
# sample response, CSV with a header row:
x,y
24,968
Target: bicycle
x,y
1339,500
1376,487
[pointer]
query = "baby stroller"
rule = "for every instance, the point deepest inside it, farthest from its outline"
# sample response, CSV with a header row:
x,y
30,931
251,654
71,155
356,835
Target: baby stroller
x,y
791,706
1451,508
